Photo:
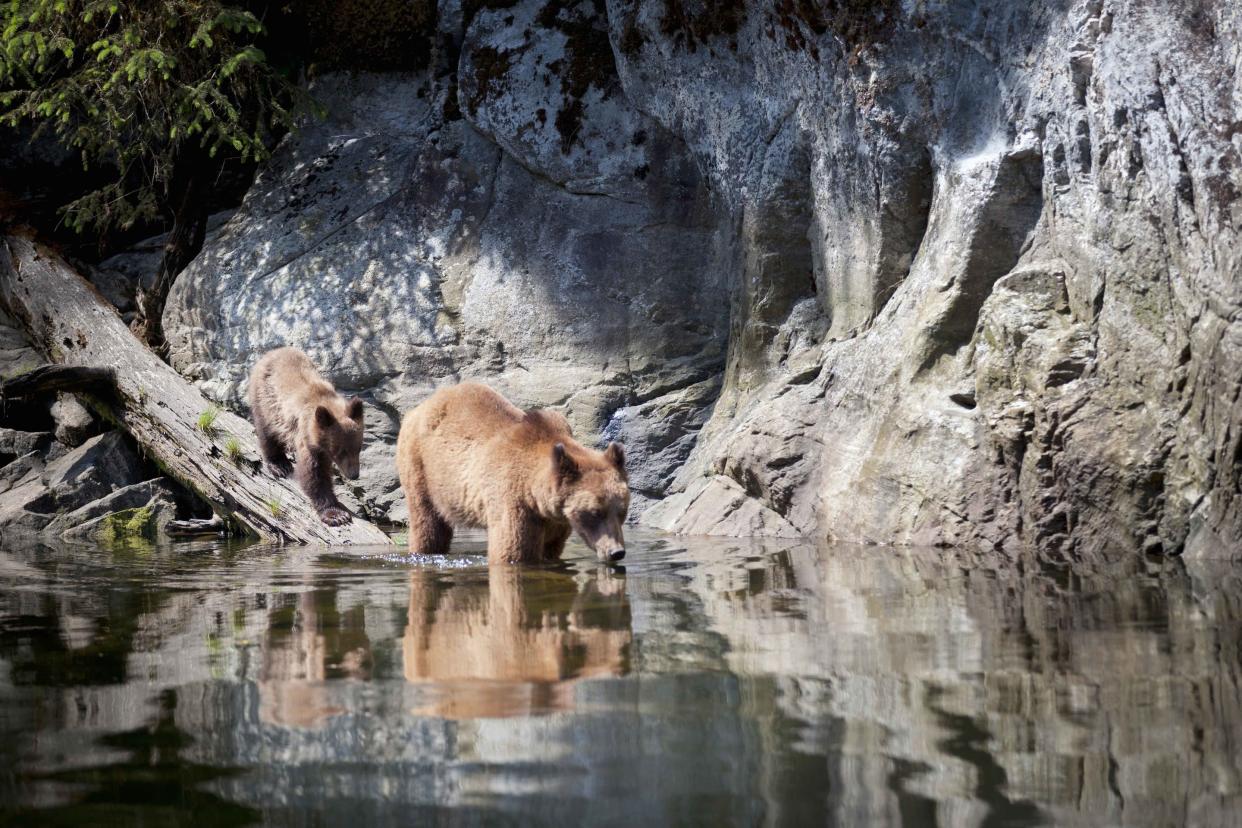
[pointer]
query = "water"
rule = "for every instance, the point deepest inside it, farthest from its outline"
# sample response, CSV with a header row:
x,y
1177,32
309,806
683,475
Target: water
x,y
711,682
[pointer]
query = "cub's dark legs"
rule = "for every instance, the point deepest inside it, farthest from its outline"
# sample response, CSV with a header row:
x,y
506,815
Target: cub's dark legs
x,y
313,472
274,451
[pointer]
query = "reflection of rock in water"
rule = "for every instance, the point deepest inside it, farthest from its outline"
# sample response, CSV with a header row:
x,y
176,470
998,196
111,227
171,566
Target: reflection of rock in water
x,y
145,773
309,641
514,643
976,690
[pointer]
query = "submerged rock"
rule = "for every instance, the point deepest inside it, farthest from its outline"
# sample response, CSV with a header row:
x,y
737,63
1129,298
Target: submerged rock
x,y
961,274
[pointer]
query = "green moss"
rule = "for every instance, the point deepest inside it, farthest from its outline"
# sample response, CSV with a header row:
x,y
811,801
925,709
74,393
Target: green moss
x,y
20,369
127,525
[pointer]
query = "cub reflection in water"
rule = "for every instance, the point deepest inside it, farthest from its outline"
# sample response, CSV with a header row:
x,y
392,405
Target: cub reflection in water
x,y
309,641
514,644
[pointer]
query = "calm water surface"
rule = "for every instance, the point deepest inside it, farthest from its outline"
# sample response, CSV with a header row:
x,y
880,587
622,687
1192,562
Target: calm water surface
x,y
710,682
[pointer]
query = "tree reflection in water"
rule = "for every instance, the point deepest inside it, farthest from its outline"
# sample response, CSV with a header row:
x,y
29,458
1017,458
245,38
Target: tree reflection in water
x,y
724,682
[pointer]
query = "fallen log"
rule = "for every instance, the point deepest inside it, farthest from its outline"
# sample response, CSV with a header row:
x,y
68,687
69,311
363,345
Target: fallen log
x,y
211,452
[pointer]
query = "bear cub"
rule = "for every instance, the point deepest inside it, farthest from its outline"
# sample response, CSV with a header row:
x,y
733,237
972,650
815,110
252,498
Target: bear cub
x,y
296,411
468,457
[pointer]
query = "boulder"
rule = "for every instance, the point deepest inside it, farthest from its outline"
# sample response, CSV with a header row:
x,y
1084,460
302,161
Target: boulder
x,y
142,510
39,494
74,422
15,443
118,277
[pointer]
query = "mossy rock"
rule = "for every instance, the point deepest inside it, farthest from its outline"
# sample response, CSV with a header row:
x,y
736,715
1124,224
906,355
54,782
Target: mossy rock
x,y
128,524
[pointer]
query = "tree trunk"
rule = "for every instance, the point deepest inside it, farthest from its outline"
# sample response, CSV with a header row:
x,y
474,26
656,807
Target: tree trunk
x,y
188,199
69,321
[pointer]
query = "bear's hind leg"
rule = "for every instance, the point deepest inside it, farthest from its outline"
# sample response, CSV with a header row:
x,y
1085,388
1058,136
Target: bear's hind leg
x,y
271,447
429,533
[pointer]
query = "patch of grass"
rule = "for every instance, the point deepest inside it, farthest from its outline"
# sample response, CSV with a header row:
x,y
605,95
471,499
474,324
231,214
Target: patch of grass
x,y
207,421
274,506
233,450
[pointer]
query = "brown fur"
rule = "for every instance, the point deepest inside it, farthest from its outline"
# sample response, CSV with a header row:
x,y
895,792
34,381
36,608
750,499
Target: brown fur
x,y
297,411
468,457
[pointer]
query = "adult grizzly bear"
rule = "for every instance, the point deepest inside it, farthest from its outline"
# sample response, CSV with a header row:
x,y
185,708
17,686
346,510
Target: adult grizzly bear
x,y
468,457
297,411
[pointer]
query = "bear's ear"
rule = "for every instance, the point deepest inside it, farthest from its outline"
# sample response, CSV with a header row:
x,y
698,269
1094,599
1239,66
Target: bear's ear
x,y
353,408
615,454
323,417
562,464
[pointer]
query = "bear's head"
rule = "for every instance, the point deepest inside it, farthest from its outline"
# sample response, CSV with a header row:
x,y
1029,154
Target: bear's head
x,y
338,433
595,496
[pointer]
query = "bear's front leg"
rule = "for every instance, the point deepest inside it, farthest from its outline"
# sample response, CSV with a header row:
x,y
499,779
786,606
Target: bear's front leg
x,y
554,537
271,447
513,537
314,474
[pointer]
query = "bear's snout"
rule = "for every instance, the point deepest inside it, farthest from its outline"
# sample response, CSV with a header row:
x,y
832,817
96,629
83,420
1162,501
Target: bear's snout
x,y
609,550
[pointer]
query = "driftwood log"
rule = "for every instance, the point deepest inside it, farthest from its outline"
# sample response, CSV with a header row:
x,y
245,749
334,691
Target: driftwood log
x,y
73,326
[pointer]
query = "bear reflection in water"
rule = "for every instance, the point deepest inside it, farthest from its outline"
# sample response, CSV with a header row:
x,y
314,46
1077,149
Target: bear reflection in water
x,y
515,643
505,643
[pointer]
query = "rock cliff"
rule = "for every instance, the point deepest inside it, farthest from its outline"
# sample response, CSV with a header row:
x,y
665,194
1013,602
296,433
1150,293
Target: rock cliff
x,y
913,272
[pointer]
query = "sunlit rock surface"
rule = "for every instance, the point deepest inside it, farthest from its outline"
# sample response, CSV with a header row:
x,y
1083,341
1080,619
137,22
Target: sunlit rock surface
x,y
961,273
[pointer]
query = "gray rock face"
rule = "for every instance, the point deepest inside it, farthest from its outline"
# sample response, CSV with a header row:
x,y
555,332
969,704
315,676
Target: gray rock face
x,y
402,252
118,277
957,273
41,492
1042,355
